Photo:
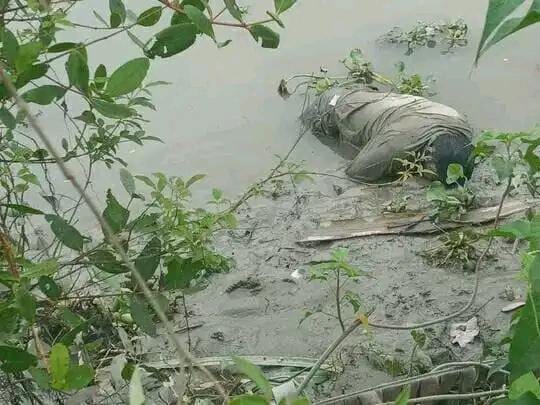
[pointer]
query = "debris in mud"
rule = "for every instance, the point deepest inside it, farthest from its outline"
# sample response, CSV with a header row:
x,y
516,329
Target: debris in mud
x,y
218,336
513,306
298,274
454,247
254,286
396,205
509,293
452,35
464,333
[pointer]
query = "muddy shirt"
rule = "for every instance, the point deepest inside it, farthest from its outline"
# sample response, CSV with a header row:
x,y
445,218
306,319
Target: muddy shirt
x,y
382,126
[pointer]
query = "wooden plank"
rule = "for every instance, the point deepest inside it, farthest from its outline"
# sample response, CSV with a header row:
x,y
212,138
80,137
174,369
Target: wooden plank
x,y
406,223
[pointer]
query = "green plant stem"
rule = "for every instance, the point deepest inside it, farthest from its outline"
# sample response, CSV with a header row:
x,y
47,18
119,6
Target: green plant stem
x,y
413,354
182,353
338,301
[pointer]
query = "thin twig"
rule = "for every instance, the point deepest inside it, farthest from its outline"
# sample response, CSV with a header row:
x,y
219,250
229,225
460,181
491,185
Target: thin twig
x,y
338,303
448,397
183,354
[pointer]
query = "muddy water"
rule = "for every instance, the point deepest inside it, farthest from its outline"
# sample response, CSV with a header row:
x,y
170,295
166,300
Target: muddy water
x,y
223,117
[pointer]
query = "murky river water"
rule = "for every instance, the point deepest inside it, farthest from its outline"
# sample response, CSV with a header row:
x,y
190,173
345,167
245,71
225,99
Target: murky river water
x,y
222,115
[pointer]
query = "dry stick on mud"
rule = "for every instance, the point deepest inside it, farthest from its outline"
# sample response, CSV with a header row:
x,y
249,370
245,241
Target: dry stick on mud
x,y
449,397
359,320
183,354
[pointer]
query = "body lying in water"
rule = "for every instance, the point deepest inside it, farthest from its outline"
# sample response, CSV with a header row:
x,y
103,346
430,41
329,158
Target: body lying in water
x,y
383,127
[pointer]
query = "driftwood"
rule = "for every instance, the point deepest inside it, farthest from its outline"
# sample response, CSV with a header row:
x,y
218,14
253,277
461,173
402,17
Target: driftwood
x,y
407,223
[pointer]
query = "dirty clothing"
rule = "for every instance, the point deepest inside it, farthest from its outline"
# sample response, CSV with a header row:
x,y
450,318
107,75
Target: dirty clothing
x,y
385,126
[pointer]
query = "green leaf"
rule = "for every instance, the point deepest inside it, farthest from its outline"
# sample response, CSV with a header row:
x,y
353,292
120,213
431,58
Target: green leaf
x,y
112,110
70,336
146,180
71,319
524,353
44,95
283,5
149,259
44,268
127,77
40,377
49,287
87,117
142,316
10,46
223,44
268,38
149,17
77,69
7,118
27,54
127,181
173,40
527,399
33,72
403,397
100,76
9,320
248,400
217,194
233,9
106,261
255,374
7,278
201,21
127,371
23,209
15,360
180,273
525,383
118,13
59,362
194,179
79,376
26,304
498,11
136,391
114,214
62,47
454,173
503,167
513,25
65,233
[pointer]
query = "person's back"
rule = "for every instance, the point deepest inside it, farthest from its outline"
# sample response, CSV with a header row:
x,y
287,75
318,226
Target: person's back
x,y
386,126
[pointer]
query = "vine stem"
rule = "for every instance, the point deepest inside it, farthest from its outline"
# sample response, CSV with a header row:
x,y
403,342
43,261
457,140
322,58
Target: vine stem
x,y
183,354
359,320
338,303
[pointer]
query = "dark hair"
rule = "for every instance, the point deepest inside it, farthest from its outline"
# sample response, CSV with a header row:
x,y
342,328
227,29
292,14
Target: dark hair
x,y
448,149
